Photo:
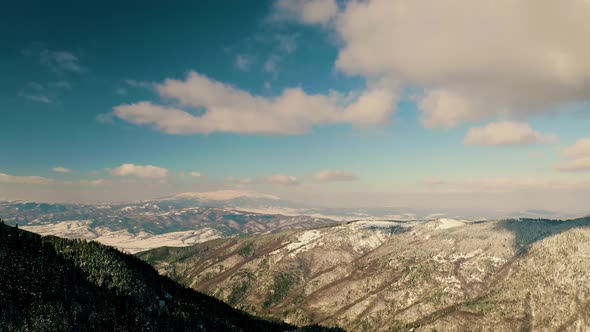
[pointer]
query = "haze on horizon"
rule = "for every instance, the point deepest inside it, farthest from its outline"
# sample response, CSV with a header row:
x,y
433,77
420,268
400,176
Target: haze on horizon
x,y
392,103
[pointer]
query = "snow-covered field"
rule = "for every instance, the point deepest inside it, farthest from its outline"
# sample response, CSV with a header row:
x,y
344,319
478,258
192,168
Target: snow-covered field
x,y
123,239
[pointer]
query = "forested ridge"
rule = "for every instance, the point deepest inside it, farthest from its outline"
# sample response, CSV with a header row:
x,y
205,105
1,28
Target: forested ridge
x,y
54,284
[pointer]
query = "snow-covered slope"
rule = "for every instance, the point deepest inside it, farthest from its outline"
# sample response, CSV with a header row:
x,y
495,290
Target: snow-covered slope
x,y
123,239
378,275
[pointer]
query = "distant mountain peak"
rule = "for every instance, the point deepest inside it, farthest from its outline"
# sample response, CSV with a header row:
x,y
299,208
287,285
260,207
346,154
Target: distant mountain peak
x,y
221,195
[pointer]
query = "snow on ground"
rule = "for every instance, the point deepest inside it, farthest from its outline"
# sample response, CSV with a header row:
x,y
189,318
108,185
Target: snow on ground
x,y
446,223
383,223
301,244
302,240
143,241
122,239
79,229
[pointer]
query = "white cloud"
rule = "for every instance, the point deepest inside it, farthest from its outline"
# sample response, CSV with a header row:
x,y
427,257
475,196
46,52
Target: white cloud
x,y
243,62
121,91
147,171
195,174
6,178
282,179
228,109
239,181
578,156
306,11
333,175
575,165
506,133
444,109
61,169
580,149
502,58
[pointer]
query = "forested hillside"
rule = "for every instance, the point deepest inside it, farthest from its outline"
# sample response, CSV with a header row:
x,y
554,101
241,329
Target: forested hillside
x,y
55,284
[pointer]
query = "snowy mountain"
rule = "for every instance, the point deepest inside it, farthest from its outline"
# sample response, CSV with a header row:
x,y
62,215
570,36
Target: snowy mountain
x,y
444,274
140,226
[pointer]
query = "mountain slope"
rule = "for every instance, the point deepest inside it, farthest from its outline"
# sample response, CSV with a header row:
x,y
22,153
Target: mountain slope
x,y
448,275
54,284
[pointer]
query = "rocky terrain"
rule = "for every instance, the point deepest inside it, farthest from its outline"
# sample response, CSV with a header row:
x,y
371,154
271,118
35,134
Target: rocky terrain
x,y
439,275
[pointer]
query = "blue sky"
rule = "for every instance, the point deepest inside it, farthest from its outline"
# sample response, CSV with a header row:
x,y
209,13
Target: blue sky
x,y
129,99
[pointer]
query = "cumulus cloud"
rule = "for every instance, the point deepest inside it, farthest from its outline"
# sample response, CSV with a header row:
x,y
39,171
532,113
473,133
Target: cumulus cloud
x,y
195,174
7,178
229,109
61,169
333,175
147,171
578,156
580,149
282,179
306,11
506,133
501,58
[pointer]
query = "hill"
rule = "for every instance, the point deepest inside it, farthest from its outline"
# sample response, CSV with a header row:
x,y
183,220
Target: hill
x,y
444,274
138,226
55,284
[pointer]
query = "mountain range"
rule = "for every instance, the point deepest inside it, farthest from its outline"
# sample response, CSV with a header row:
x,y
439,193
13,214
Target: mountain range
x,y
438,275
340,267
139,226
190,218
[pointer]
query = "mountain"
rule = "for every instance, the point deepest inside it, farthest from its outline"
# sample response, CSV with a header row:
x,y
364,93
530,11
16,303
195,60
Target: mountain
x,y
54,284
139,226
190,218
443,274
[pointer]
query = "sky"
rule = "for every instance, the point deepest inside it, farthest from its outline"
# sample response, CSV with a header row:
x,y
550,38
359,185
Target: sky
x,y
401,103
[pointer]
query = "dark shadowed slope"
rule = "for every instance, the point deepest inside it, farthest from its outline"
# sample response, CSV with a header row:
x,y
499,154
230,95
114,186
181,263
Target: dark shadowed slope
x,y
54,284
